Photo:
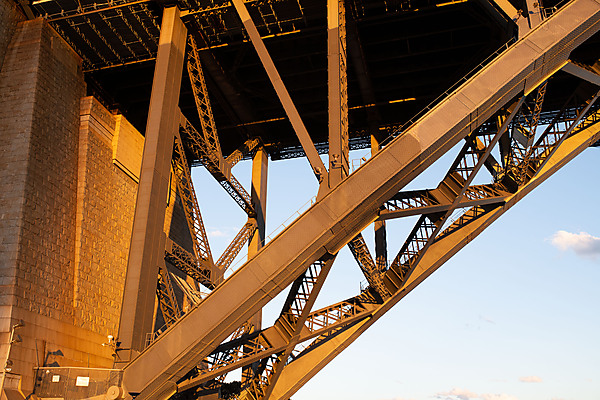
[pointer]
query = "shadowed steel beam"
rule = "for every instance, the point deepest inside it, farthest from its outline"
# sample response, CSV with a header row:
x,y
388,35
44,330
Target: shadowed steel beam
x,y
352,205
361,254
187,263
148,239
166,297
258,193
582,73
337,92
305,367
187,193
286,101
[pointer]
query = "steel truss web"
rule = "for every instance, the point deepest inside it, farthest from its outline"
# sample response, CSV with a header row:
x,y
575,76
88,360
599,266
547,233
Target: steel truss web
x,y
298,331
284,344
518,146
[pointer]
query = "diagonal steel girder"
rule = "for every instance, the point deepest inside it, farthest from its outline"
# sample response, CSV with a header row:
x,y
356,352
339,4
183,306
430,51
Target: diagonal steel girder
x,y
547,143
354,203
354,310
286,101
431,201
307,365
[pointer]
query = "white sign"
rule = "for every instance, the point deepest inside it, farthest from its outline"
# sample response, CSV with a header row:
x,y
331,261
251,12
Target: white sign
x,y
83,381
55,378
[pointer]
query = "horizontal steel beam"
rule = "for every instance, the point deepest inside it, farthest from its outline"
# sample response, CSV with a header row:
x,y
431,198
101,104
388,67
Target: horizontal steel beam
x,y
491,197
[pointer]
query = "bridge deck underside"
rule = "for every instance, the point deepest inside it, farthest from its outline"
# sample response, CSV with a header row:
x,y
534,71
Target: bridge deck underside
x,y
403,53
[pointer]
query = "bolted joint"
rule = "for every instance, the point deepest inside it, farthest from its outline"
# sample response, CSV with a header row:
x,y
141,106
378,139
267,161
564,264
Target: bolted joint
x,y
318,173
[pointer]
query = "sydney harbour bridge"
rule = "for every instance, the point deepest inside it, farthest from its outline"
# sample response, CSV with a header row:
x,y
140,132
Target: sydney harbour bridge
x,y
209,83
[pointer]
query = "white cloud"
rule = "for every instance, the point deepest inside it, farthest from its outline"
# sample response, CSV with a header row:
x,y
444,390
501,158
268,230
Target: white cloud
x,y
530,379
463,394
501,396
460,394
221,232
583,244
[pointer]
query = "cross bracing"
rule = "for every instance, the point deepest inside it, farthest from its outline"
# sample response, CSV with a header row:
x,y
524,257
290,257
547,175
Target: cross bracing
x,y
505,119
518,120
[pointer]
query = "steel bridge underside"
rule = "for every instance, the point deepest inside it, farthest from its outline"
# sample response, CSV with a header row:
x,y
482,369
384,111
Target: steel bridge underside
x,y
495,95
212,83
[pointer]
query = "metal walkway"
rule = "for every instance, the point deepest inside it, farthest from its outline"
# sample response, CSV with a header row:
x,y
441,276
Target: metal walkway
x,y
352,205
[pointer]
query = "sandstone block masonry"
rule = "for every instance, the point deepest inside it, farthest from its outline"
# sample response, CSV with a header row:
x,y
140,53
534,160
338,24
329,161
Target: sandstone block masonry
x,y
69,171
40,86
110,151
9,18
68,181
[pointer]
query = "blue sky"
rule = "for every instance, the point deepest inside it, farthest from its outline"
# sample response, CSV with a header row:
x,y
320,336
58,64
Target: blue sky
x,y
514,315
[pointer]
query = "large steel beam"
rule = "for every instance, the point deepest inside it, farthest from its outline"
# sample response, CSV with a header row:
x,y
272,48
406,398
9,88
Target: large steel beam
x,y
286,101
346,210
303,368
583,73
148,239
258,193
339,165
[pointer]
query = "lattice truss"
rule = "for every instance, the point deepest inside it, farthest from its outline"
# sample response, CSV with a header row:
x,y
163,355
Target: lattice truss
x,y
197,264
516,149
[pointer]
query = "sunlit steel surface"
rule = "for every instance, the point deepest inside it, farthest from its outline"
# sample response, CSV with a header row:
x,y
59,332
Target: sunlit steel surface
x,y
299,77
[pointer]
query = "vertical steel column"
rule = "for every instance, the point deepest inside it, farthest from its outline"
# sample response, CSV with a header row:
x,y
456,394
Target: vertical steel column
x,y
534,12
380,230
338,92
260,165
284,97
147,248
